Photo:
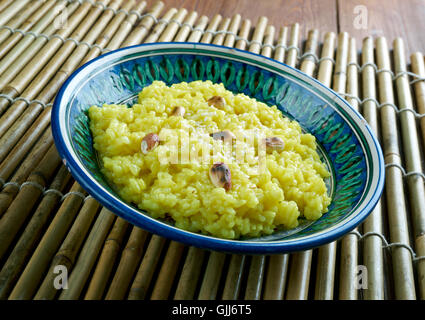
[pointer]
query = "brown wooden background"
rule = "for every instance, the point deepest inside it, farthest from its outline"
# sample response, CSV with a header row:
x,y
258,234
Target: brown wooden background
x,y
388,18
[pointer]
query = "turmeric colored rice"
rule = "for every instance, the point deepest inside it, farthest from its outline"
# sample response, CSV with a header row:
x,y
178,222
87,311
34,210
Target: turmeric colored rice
x,y
289,184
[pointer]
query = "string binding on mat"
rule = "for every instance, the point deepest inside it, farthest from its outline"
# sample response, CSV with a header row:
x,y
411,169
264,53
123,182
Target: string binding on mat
x,y
394,77
27,101
48,38
406,174
43,190
387,245
384,104
181,25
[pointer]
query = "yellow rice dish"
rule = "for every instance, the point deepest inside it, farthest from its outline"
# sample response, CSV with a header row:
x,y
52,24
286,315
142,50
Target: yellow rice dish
x,y
212,162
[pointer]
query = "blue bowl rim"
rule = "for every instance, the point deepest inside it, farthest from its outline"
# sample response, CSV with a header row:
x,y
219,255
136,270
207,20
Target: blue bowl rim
x,y
195,239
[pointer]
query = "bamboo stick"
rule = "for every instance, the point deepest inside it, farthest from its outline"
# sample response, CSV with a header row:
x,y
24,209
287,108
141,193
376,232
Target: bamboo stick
x,y
402,264
308,64
279,53
373,255
243,35
20,208
10,11
51,68
274,287
340,75
130,259
33,231
233,284
411,145
140,31
186,27
299,275
12,138
349,243
109,253
325,67
211,280
420,252
292,52
268,41
69,249
190,274
10,159
144,275
327,254
17,21
21,174
167,273
352,74
25,50
418,67
173,26
233,29
32,275
13,38
212,27
411,148
88,255
41,60
224,25
17,154
255,278
196,34
257,38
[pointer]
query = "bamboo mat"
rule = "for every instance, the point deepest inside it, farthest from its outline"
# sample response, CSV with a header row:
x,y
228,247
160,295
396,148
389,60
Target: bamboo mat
x,y
47,220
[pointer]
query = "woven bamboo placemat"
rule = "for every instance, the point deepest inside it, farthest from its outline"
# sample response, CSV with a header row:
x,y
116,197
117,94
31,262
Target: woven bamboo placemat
x,y
47,220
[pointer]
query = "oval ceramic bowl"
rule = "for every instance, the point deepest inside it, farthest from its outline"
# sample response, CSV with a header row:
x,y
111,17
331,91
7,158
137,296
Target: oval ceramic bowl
x,y
345,142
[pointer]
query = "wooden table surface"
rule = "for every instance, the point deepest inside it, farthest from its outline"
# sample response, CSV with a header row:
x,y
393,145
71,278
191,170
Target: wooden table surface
x,y
388,18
